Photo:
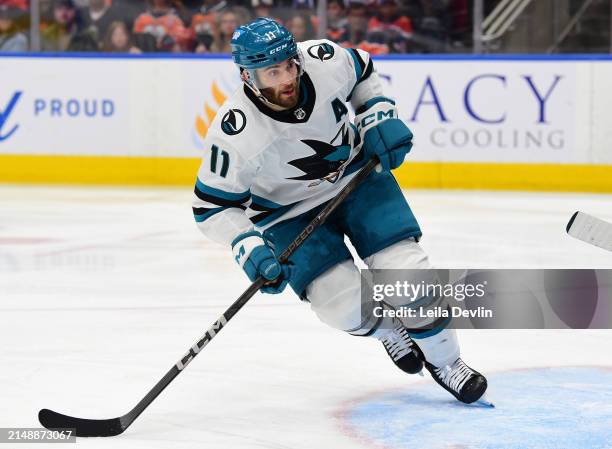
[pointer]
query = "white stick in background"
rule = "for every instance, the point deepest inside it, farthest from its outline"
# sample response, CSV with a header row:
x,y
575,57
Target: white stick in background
x,y
590,229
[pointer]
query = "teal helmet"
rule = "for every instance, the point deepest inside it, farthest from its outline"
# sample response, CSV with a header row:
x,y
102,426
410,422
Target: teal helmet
x,y
263,42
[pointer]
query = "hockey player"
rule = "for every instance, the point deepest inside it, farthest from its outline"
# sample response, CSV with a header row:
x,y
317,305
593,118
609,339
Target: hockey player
x,y
281,147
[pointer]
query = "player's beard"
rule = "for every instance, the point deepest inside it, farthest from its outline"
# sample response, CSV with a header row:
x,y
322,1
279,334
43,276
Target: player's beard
x,y
286,96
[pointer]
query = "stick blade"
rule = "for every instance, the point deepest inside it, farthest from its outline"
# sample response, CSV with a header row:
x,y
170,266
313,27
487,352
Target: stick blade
x,y
83,427
570,223
591,230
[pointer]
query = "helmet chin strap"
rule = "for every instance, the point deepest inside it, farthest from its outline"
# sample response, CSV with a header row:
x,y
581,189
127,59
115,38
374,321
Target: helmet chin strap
x,y
263,98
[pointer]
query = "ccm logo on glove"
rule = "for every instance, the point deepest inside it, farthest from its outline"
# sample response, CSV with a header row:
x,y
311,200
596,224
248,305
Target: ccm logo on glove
x,y
374,117
382,133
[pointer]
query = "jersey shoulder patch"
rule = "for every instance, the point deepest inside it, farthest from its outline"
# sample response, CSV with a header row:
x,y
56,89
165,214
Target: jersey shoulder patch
x,y
233,121
239,125
327,64
321,49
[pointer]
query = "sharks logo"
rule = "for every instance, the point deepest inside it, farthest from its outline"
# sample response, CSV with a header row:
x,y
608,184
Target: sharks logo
x,y
233,122
323,52
328,162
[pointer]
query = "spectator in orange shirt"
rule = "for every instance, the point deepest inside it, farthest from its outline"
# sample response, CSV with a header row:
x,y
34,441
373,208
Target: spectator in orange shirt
x,y
203,29
388,17
336,19
355,33
163,22
391,27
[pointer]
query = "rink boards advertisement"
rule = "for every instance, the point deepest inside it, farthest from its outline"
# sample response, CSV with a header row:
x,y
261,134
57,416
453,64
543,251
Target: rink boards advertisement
x,y
485,123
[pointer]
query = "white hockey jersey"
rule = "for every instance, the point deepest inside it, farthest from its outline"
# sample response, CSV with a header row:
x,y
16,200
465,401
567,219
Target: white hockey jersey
x,y
264,166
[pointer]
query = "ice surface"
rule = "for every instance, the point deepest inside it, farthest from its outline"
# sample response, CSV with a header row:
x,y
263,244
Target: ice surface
x,y
552,408
102,290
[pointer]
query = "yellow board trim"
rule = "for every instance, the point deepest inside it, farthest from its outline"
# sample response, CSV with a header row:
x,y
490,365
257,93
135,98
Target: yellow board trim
x,y
98,170
120,170
499,176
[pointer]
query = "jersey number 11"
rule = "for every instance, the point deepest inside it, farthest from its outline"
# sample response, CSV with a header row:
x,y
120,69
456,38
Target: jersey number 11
x,y
224,163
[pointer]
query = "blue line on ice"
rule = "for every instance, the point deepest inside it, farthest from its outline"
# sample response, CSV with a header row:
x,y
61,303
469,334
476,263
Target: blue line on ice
x,y
566,407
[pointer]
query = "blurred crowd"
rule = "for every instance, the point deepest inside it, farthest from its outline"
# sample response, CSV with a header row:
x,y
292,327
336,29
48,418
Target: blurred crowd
x,y
205,26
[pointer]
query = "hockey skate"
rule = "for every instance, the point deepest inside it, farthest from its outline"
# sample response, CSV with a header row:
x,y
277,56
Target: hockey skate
x,y
466,384
403,350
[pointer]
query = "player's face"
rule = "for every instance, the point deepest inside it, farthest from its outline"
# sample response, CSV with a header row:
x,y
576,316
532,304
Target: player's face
x,y
280,83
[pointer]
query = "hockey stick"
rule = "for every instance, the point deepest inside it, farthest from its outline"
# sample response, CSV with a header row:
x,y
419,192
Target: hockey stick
x,y
591,230
115,426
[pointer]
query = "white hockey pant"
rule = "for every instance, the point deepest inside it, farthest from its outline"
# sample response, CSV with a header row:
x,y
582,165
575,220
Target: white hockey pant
x,y
335,297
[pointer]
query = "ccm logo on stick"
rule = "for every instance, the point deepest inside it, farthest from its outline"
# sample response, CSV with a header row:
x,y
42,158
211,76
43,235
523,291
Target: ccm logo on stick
x,y
195,349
